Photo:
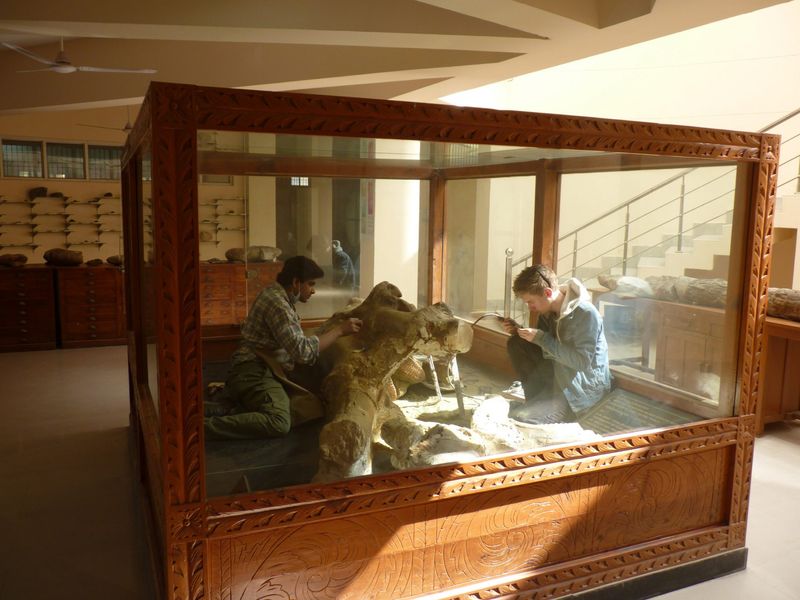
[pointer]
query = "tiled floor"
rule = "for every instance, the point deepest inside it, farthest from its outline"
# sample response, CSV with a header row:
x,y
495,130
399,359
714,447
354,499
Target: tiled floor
x,y
68,526
67,512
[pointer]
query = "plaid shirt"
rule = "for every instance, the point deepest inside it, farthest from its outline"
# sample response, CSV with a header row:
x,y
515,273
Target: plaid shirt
x,y
273,325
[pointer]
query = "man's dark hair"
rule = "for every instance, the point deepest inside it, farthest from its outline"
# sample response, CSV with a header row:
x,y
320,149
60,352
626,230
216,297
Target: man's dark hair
x,y
534,280
299,267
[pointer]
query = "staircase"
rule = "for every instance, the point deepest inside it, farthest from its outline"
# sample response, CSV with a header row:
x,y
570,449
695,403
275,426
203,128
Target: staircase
x,y
680,226
691,235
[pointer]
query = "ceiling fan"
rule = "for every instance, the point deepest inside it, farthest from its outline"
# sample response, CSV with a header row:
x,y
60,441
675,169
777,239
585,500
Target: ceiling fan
x,y
126,129
61,64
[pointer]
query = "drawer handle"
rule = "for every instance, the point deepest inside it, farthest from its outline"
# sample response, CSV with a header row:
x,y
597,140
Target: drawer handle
x,y
23,330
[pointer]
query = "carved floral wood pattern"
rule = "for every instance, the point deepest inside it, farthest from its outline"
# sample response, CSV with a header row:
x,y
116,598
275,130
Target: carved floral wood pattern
x,y
523,515
473,538
306,503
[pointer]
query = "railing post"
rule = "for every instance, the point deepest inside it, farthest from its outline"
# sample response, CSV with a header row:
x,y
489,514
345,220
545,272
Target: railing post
x,y
627,239
680,214
575,254
798,176
507,295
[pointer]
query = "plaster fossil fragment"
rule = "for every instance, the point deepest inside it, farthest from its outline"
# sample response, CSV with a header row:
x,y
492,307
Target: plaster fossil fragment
x,y
358,388
253,254
783,303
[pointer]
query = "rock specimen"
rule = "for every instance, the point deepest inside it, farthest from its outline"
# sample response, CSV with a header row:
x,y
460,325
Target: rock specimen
x,y
357,388
253,254
784,303
60,257
117,260
13,260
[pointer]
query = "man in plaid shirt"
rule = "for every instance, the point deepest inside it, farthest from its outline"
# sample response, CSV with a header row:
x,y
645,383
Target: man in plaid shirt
x,y
273,341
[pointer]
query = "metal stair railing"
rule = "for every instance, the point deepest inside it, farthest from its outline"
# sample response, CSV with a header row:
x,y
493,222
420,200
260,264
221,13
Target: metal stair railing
x,y
681,212
625,245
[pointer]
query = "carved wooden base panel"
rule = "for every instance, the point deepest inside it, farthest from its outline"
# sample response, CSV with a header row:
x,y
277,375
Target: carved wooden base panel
x,y
428,548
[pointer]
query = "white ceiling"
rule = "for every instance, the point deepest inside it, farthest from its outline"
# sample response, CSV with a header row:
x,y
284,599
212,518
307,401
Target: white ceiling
x,y
417,50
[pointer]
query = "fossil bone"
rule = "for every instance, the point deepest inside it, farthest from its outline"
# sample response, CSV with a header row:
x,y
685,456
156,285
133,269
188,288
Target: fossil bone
x,y
357,390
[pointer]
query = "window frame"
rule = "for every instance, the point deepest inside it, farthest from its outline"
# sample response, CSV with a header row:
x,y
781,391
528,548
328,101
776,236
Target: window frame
x,y
45,167
42,159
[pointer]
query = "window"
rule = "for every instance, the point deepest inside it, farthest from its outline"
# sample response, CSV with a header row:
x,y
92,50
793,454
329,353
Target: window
x,y
65,161
22,159
104,162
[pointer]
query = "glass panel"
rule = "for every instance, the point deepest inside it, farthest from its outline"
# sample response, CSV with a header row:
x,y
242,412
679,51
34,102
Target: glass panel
x,y
149,272
489,239
65,161
654,249
22,159
360,209
104,162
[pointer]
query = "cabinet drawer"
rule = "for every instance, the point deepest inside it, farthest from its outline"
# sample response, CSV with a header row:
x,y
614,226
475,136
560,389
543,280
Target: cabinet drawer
x,y
687,321
36,285
73,289
221,312
84,328
13,312
91,312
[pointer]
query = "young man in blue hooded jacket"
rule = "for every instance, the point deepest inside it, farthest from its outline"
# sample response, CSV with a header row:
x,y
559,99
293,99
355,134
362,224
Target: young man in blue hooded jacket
x,y
562,363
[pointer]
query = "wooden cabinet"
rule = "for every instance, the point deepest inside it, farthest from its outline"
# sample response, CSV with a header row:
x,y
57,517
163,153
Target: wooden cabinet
x,y
223,293
259,276
689,344
27,309
91,306
227,290
780,378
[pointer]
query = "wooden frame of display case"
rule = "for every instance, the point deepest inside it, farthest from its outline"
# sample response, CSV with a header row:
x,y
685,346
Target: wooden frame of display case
x,y
662,503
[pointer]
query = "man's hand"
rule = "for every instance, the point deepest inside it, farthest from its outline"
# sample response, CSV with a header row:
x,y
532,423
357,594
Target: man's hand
x,y
350,326
510,325
527,333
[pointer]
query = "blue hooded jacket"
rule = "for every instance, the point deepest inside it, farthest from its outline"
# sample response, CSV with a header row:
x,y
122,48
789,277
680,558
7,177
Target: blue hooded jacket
x,y
576,343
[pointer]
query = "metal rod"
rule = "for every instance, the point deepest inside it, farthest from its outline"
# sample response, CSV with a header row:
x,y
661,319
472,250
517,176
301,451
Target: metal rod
x,y
680,214
507,296
459,390
626,240
574,254
435,377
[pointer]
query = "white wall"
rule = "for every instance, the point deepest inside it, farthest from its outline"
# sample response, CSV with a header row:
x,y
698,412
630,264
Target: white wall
x,y
740,73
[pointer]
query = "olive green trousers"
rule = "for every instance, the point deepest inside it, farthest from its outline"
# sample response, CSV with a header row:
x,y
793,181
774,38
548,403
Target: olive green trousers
x,y
264,408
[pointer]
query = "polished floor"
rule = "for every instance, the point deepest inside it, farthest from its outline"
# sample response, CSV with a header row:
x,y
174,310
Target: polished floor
x,y
68,520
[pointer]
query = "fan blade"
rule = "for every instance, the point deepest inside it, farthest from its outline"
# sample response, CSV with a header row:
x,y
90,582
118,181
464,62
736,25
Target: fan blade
x,y
35,70
104,70
100,126
28,53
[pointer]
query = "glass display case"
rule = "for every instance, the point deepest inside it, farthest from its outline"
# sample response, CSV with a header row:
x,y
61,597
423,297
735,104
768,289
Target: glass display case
x,y
667,230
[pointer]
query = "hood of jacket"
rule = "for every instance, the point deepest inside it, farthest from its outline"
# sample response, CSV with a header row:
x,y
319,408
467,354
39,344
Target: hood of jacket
x,y
575,292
